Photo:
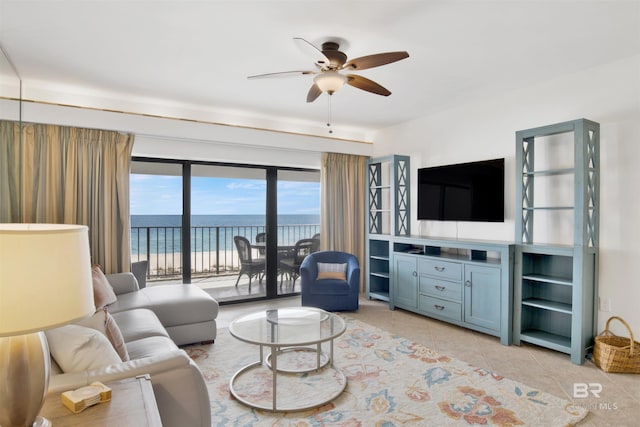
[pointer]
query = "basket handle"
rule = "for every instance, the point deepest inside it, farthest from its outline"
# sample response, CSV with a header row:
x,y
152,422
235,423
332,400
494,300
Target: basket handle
x,y
626,325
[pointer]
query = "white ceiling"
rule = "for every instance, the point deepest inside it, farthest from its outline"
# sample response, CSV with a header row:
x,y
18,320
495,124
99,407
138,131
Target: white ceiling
x,y
196,55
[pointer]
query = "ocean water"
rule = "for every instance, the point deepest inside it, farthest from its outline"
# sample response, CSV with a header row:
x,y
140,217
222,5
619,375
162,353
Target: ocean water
x,y
155,234
218,220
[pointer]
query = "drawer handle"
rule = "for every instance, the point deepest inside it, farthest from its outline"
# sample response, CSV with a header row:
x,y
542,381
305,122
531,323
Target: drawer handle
x,y
439,269
439,307
467,283
415,274
440,288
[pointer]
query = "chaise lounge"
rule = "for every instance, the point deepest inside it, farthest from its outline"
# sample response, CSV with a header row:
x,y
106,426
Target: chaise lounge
x,y
187,312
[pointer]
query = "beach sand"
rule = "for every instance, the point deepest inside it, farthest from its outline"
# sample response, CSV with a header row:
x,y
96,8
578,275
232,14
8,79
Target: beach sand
x,y
163,264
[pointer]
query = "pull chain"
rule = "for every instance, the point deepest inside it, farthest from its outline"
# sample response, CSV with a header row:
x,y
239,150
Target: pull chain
x,y
329,114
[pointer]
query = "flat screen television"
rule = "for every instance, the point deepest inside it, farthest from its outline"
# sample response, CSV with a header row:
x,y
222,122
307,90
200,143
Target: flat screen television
x,y
462,192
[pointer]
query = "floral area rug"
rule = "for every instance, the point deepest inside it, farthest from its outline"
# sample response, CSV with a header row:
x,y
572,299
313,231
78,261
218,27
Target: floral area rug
x,y
391,381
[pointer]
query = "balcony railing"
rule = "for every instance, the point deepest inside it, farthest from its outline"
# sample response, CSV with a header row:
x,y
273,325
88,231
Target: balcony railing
x,y
213,251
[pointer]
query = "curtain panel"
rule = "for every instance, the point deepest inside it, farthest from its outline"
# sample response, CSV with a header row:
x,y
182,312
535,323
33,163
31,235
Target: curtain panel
x,y
67,175
9,172
343,216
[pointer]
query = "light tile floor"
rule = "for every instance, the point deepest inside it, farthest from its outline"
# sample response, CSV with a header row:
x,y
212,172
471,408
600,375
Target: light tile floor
x,y
618,403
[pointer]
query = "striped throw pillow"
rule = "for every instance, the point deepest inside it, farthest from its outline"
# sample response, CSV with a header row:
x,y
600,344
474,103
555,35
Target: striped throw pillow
x,y
332,271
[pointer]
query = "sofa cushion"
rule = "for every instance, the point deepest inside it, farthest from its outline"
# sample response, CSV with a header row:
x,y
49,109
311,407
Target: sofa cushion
x,y
78,348
330,287
173,304
103,293
150,346
139,323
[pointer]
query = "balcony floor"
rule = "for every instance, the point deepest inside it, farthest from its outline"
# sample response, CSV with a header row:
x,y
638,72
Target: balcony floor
x,y
223,288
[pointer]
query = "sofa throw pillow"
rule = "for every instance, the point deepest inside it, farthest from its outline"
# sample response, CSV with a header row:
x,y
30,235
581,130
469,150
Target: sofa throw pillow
x,y
104,322
78,348
96,321
334,271
103,293
115,337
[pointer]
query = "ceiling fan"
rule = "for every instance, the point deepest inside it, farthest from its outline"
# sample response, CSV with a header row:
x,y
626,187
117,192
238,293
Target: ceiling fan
x,y
331,61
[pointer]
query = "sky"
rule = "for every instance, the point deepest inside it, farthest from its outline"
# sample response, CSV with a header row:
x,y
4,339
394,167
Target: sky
x,y
162,195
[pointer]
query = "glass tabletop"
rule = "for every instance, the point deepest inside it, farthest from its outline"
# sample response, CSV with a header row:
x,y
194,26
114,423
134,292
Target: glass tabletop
x,y
284,327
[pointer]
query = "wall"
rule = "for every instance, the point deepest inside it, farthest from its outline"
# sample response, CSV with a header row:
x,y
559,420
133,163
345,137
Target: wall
x,y
484,129
184,139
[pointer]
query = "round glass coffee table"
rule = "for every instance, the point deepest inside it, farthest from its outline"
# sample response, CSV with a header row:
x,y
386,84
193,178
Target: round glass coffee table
x,y
296,374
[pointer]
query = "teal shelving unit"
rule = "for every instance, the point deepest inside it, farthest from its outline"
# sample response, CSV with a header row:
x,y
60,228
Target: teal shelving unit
x,y
555,286
389,215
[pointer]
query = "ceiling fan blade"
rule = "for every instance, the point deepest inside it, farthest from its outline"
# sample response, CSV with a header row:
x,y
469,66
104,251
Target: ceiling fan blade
x,y
282,74
366,84
375,60
314,93
312,50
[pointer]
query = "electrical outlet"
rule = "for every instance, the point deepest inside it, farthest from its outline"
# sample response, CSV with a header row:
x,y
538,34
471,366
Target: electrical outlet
x,y
604,304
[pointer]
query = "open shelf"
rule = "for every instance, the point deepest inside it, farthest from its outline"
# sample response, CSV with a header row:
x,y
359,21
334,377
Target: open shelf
x,y
546,339
550,208
388,196
379,295
547,305
547,279
452,253
550,172
548,268
378,268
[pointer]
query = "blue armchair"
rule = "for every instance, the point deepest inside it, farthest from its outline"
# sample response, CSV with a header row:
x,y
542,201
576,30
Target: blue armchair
x,y
330,294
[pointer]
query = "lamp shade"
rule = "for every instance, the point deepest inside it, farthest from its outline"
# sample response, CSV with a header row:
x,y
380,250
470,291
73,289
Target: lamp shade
x,y
45,276
330,81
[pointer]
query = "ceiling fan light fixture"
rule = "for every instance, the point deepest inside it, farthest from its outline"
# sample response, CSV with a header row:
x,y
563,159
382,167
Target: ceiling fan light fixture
x,y
330,81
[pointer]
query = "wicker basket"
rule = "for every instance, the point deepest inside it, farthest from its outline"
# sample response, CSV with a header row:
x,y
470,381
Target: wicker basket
x,y
612,353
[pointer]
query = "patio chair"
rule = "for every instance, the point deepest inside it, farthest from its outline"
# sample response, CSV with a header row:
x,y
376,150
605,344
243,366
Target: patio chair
x,y
249,266
261,238
291,265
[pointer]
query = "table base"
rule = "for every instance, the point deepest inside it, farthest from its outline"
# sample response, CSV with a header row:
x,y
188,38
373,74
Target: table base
x,y
323,359
298,388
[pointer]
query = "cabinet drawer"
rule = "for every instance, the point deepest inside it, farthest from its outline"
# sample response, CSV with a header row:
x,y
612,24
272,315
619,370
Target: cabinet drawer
x,y
441,288
442,269
448,309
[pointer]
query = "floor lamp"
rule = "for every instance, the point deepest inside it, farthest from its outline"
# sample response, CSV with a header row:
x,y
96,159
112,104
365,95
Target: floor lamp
x,y
45,282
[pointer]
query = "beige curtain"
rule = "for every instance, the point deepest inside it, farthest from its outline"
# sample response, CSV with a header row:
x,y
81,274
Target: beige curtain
x,y
342,206
74,176
9,172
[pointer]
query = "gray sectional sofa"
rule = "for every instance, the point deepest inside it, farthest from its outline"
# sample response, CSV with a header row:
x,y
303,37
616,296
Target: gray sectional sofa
x,y
153,322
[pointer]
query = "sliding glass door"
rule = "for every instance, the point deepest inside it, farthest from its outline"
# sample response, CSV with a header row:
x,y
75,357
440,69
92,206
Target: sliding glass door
x,y
243,224
156,200
298,221
228,255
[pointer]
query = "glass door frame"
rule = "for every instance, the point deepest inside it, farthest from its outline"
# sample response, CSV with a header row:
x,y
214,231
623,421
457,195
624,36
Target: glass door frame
x,y
271,219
